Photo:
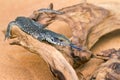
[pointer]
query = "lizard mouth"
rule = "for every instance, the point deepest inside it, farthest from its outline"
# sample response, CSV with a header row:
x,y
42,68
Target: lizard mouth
x,y
57,41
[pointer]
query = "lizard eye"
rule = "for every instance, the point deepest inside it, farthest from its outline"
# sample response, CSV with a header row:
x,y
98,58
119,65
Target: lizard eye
x,y
61,40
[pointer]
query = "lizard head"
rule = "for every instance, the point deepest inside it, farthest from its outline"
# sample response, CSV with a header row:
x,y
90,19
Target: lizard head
x,y
62,40
58,39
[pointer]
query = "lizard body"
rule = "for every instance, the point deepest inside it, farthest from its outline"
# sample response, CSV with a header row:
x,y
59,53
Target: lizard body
x,y
38,31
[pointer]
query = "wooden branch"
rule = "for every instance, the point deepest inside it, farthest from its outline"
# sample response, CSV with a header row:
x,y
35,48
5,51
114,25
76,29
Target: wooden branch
x,y
88,23
88,68
109,25
50,54
81,18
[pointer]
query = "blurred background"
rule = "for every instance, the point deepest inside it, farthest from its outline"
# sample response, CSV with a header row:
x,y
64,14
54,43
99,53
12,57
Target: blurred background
x,y
16,63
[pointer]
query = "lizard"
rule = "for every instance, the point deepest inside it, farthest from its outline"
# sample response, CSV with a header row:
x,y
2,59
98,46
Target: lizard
x,y
39,32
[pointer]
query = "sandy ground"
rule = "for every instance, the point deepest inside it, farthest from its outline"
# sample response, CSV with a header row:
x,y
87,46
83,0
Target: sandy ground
x,y
18,64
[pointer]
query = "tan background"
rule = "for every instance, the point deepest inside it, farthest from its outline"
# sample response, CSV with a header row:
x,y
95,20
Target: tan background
x,y
18,64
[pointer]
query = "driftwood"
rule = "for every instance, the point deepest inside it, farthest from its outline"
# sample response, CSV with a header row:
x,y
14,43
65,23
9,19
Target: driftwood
x,y
109,70
81,18
88,24
109,25
50,54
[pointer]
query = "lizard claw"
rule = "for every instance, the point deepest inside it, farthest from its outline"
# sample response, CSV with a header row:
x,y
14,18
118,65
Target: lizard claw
x,y
7,36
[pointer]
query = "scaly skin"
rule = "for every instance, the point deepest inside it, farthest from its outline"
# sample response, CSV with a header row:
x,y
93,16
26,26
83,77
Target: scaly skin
x,y
37,31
